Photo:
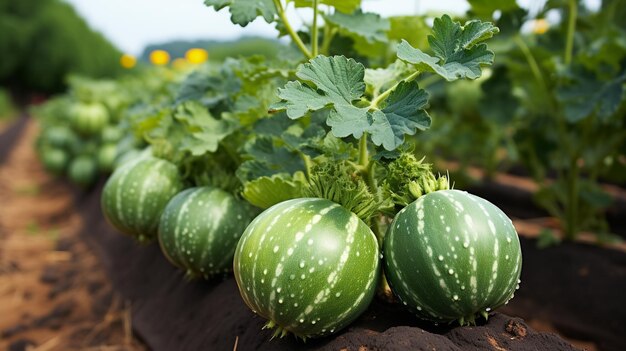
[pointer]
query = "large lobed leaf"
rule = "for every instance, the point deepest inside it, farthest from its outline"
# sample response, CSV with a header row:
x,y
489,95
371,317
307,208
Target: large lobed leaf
x,y
589,96
404,113
267,159
379,79
337,83
245,11
203,132
367,26
459,51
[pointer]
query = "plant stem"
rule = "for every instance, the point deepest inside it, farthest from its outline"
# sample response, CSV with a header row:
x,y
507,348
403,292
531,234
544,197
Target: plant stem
x,y
572,173
329,33
571,225
308,164
375,226
365,166
314,39
532,63
380,98
363,154
571,29
294,36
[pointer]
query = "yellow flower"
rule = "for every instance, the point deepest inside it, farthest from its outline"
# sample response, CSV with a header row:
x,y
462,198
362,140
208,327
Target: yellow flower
x,y
159,57
540,26
196,55
128,61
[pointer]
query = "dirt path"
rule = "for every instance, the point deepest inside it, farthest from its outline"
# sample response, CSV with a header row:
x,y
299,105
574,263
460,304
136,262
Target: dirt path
x,y
53,293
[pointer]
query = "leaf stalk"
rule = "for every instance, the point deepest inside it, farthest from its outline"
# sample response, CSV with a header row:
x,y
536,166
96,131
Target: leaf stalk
x,y
314,36
294,36
571,29
380,98
363,153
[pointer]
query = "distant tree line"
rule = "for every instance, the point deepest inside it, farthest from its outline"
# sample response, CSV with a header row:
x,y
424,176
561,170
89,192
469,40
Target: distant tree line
x,y
42,41
219,50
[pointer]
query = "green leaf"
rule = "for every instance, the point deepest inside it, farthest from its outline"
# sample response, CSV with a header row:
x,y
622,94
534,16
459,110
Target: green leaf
x,y
265,192
403,114
247,109
337,148
334,82
204,131
368,26
345,6
498,104
459,51
589,95
413,29
209,88
305,140
267,159
245,11
488,7
383,78
273,126
337,83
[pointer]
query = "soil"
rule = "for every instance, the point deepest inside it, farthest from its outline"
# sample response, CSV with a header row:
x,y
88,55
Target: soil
x,y
54,294
577,288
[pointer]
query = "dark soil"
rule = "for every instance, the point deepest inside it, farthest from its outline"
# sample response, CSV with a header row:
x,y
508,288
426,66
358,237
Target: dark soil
x,y
170,313
579,288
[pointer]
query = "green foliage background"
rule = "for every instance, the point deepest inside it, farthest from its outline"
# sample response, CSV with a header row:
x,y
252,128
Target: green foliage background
x,y
41,41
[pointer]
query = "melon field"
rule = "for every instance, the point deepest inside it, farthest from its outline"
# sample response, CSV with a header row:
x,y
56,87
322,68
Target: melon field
x,y
439,181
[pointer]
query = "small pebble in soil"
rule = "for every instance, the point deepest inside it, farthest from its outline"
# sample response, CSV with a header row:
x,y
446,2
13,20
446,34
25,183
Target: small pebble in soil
x,y
516,328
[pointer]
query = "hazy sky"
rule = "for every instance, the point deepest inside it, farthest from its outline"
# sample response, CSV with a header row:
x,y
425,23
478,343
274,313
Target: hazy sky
x,y
132,24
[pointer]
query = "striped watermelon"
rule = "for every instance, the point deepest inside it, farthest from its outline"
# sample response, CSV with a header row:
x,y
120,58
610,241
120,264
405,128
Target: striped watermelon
x,y
451,255
200,228
307,265
135,195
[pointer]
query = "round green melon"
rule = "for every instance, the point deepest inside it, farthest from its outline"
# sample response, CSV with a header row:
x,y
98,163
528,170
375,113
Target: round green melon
x,y
54,160
106,157
89,118
83,170
200,228
307,265
136,194
451,255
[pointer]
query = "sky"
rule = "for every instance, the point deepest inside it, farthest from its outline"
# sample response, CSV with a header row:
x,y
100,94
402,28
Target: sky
x,y
133,24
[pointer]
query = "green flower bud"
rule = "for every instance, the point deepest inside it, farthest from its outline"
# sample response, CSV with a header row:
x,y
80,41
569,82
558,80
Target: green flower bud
x,y
415,189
